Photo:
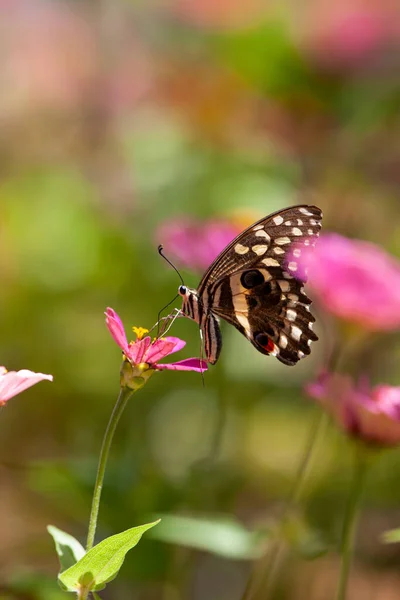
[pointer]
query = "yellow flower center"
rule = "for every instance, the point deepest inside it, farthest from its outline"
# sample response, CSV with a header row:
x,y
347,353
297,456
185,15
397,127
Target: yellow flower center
x,y
139,332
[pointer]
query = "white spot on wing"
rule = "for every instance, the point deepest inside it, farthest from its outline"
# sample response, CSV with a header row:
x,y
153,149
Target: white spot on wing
x,y
306,212
260,249
306,242
288,223
278,250
281,241
262,233
283,341
270,262
310,232
296,231
296,333
239,249
297,252
300,354
284,285
291,314
258,227
267,274
292,266
278,220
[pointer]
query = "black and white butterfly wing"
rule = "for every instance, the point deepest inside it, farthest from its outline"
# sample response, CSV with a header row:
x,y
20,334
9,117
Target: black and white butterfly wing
x,y
256,285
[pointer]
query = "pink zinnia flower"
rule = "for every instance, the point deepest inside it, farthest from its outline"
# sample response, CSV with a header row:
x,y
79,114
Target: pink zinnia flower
x,y
195,244
15,382
371,414
144,351
355,280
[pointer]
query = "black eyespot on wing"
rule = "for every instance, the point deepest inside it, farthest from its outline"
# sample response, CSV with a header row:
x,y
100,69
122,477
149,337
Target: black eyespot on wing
x,y
265,289
264,342
252,301
251,278
261,338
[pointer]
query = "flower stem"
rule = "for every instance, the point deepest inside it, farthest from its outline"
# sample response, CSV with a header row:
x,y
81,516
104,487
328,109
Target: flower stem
x,y
318,430
267,568
124,395
350,523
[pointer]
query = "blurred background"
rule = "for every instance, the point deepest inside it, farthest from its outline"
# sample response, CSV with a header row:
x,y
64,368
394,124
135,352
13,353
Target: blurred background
x,y
120,121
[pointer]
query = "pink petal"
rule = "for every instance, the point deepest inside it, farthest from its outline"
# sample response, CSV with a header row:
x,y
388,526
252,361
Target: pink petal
x,y
116,328
137,350
196,244
370,415
160,349
189,364
178,343
15,382
352,277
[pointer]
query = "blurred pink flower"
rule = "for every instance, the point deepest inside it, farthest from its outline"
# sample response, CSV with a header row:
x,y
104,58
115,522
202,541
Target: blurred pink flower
x,y
347,33
355,280
49,57
195,244
146,351
371,414
15,382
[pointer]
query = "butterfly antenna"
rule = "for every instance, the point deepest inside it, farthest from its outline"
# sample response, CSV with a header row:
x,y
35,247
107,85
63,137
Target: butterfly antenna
x,y
160,252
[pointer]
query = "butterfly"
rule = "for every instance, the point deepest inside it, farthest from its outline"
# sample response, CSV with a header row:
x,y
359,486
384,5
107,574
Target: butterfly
x,y
252,284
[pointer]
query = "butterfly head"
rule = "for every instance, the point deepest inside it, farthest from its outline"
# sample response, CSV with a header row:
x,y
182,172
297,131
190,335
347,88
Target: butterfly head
x,y
182,290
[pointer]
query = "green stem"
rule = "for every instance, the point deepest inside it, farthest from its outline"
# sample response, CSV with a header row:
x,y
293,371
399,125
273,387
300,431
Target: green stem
x,y
350,524
267,568
317,432
124,395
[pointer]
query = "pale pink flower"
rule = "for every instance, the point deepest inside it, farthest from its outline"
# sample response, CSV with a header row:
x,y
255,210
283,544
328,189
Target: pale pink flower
x,y
195,243
15,382
146,351
49,57
355,280
370,414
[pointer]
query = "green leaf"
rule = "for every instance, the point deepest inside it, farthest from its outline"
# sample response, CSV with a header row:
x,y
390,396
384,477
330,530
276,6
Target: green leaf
x,y
391,537
266,56
102,563
69,550
224,536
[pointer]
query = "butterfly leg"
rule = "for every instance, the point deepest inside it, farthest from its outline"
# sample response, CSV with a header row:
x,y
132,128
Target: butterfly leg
x,y
168,321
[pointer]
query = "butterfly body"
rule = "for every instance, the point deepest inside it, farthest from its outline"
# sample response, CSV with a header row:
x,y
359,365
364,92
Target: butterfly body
x,y
255,285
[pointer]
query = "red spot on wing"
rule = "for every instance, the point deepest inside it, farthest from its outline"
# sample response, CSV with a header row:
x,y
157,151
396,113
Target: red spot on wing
x,y
270,346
